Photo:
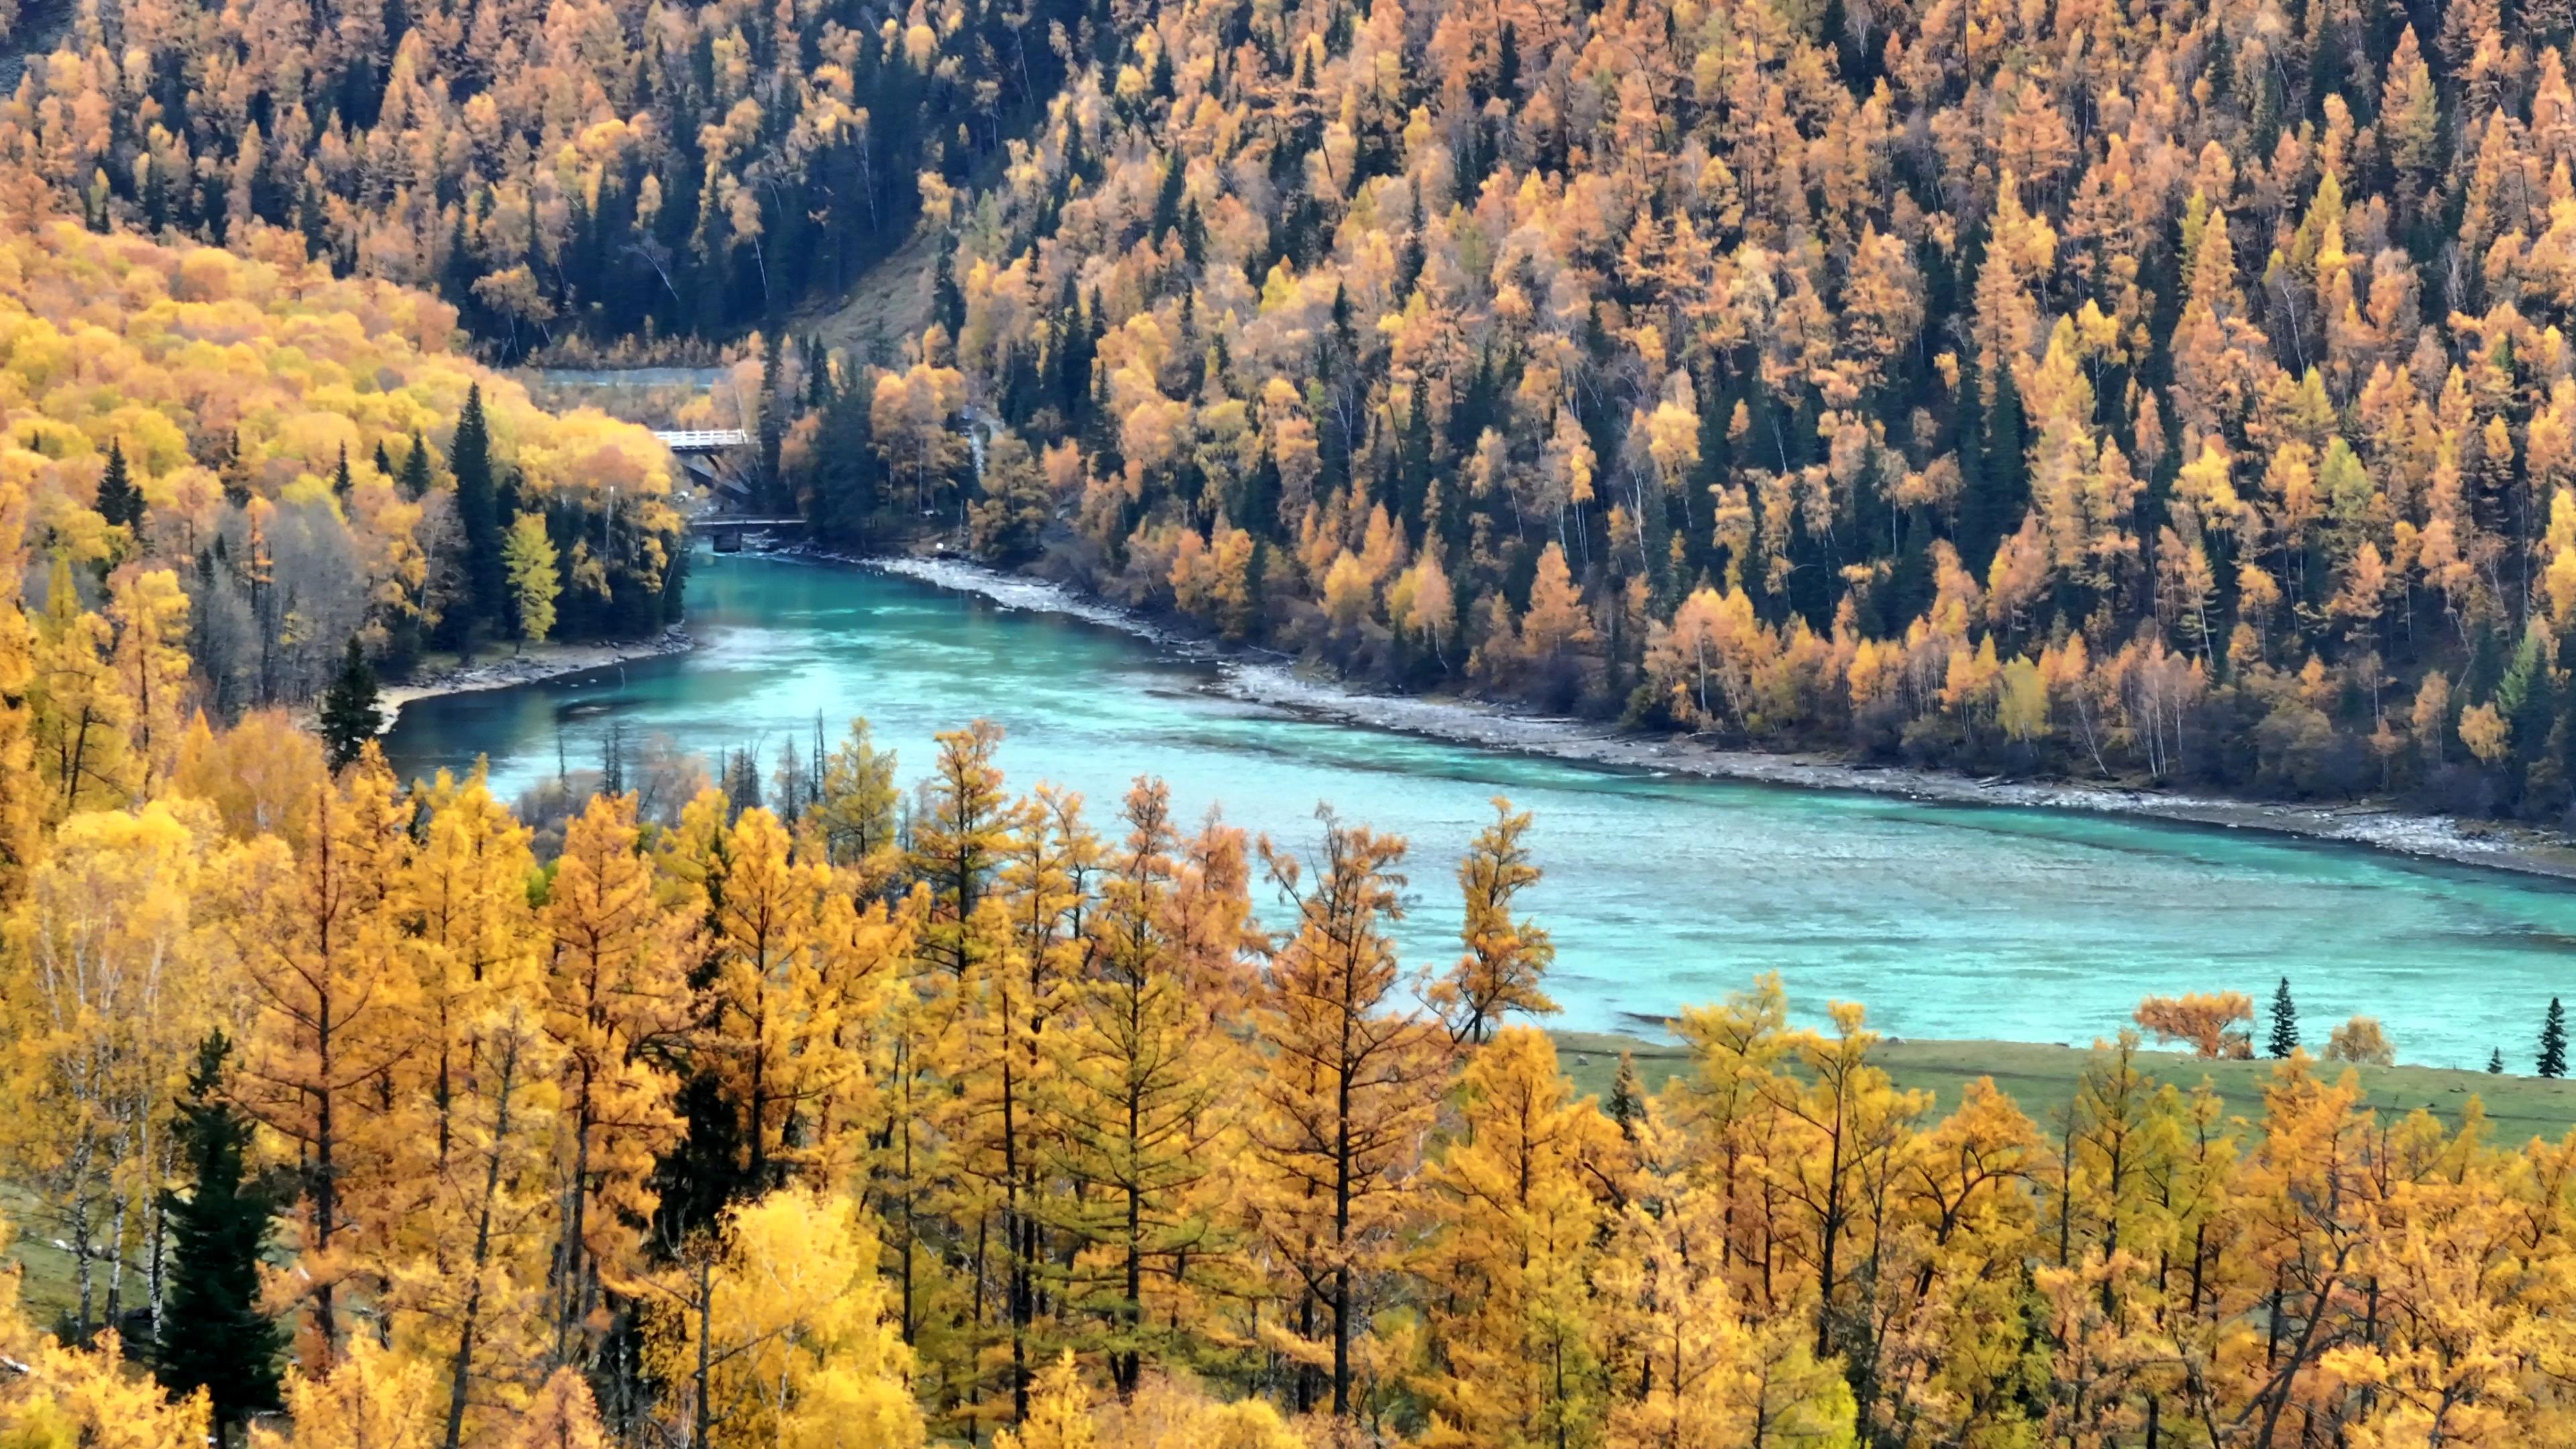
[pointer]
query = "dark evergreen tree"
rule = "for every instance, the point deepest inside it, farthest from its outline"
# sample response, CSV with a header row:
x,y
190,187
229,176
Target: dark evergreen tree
x,y
415,471
1995,493
478,514
847,475
2495,1062
773,420
119,501
704,1173
612,760
2285,1021
341,482
350,716
2553,1041
1167,201
235,473
1627,1097
742,780
156,194
818,374
947,300
213,1335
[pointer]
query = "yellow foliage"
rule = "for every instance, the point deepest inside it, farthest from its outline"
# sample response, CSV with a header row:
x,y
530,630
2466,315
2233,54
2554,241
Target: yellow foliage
x,y
800,1351
70,1399
372,1397
2485,731
2361,1040
2218,1024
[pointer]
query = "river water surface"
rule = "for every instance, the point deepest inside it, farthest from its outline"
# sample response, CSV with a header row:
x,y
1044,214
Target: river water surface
x,y
1948,921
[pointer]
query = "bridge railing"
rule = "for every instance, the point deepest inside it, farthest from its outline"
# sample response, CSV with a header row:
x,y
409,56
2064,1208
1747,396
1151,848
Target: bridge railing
x,y
702,440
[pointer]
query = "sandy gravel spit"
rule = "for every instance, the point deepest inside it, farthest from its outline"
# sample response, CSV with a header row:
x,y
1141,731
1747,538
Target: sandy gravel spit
x,y
538,662
1280,685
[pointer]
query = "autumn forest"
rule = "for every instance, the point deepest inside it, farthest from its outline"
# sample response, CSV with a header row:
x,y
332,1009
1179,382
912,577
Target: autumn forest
x,y
2168,397
2162,394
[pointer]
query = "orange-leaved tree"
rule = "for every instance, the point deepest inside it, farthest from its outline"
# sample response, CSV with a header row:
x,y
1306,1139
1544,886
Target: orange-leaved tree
x,y
2214,1024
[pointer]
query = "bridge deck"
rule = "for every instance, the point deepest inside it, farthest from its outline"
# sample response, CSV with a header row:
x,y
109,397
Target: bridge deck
x,y
702,440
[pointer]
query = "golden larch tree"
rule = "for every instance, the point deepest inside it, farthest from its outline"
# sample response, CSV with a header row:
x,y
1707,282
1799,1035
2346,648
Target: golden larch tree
x,y
1347,1091
617,1007
1137,1098
320,933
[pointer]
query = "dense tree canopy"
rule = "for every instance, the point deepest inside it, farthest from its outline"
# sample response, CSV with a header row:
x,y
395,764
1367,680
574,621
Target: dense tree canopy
x,y
2169,396
560,173
2178,395
210,401
2170,393
705,1124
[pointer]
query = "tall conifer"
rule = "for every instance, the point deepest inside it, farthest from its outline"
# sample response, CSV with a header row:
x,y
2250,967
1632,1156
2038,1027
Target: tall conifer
x,y
349,716
478,513
119,501
213,1335
2285,1021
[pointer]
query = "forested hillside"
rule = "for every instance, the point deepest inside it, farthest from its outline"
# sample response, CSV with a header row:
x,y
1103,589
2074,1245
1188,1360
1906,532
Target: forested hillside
x,y
2175,393
604,175
2169,395
250,461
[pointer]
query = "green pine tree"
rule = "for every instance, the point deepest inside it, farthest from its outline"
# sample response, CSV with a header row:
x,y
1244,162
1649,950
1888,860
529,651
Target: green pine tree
x,y
1627,1097
415,471
2285,1021
341,482
848,475
2495,1062
235,471
773,423
947,302
478,514
2553,1041
212,1332
350,716
119,501
1167,201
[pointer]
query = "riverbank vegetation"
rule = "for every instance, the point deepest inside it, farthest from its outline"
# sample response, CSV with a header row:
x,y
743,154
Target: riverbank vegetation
x,y
732,1110
247,464
2044,1078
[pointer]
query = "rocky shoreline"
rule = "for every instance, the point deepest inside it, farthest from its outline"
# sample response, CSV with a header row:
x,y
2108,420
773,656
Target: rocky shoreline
x,y
542,662
2493,845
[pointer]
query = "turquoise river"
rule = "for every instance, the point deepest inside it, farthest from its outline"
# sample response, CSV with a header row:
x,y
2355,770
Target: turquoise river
x,y
1949,921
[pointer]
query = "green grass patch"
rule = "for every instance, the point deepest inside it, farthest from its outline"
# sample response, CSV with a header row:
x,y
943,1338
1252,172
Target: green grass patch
x,y
2042,1079
50,1286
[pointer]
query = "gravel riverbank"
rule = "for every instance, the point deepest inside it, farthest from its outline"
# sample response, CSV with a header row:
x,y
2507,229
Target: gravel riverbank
x,y
2468,842
538,662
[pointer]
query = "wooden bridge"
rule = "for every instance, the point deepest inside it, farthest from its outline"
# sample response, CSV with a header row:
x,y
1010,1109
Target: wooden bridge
x,y
703,440
715,457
